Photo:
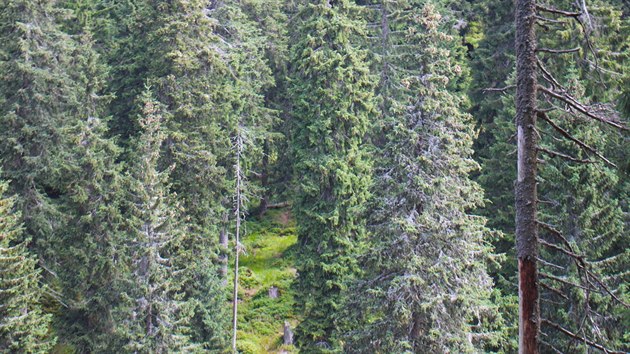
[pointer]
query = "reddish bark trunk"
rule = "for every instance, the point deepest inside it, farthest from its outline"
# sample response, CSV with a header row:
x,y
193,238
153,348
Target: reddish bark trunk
x,y
526,191
528,306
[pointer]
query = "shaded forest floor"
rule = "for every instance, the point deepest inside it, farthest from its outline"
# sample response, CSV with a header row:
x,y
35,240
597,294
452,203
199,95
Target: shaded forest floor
x,y
267,263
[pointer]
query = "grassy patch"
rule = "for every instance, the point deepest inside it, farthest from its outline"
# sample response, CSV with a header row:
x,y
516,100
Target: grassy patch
x,y
268,262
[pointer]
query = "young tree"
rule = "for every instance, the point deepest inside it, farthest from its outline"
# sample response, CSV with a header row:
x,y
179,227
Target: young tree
x,y
426,288
24,328
332,91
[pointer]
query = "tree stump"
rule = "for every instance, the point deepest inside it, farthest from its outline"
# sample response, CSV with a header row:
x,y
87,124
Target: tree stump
x,y
273,292
288,334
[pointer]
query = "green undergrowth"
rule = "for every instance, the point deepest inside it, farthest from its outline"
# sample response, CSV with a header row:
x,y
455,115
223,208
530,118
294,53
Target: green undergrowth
x,y
267,262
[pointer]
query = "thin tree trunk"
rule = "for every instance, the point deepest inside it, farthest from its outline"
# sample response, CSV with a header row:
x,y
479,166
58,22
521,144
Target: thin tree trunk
x,y
237,234
223,241
264,180
526,191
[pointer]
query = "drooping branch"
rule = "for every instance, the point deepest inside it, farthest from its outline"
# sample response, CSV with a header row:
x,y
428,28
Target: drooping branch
x,y
558,12
573,103
601,283
556,233
553,153
566,134
580,338
565,251
499,89
554,290
557,51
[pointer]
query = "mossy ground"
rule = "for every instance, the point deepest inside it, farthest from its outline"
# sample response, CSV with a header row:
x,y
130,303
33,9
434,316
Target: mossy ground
x,y
267,262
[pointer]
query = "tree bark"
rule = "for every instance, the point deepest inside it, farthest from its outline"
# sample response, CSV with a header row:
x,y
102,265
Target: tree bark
x,y
237,235
223,241
526,189
264,180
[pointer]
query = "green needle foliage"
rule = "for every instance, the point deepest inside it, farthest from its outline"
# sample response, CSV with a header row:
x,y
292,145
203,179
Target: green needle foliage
x,y
24,328
426,288
157,314
351,112
332,93
38,97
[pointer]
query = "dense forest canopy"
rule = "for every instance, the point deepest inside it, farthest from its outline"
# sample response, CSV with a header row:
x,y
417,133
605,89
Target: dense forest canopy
x,y
317,176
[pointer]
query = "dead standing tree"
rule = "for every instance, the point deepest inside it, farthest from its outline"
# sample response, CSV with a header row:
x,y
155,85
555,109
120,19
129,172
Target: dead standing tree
x,y
555,97
527,166
240,200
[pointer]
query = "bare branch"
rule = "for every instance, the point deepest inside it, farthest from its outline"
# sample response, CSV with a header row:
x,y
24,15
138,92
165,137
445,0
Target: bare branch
x,y
558,51
546,19
554,290
549,264
547,75
582,339
565,251
567,135
499,89
557,12
556,233
607,289
572,102
560,280
553,153
554,349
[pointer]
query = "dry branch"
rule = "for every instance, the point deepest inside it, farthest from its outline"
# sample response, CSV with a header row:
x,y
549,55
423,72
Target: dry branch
x,y
573,103
577,337
568,135
558,12
558,51
553,153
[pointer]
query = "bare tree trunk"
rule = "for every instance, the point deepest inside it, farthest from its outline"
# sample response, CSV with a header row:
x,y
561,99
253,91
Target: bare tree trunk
x,y
237,234
526,191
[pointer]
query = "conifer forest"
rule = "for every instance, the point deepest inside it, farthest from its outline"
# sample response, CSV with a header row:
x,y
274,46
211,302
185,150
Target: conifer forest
x,y
315,176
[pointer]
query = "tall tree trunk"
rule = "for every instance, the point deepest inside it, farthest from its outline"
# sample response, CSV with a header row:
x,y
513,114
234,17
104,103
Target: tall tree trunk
x,y
237,235
526,193
264,180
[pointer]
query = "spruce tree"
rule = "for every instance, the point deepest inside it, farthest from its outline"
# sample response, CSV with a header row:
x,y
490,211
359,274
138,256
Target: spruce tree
x,y
175,48
51,90
156,313
90,192
426,288
89,244
24,328
38,97
332,93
